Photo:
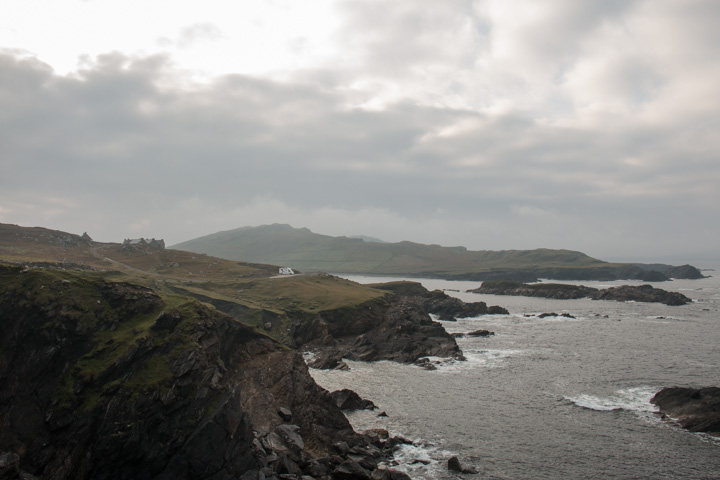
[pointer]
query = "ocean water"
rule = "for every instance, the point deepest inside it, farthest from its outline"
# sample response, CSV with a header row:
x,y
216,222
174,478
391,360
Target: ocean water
x,y
554,397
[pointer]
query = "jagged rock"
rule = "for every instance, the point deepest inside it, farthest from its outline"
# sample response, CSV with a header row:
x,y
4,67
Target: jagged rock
x,y
454,465
426,364
347,399
285,465
350,470
377,435
285,414
695,409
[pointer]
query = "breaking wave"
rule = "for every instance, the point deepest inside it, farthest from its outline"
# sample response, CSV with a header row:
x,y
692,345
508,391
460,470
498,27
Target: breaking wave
x,y
635,399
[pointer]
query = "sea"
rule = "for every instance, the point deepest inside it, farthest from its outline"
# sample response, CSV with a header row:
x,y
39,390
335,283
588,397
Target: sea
x,y
553,397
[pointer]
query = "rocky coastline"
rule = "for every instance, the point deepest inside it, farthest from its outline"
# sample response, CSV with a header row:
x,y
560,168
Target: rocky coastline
x,y
623,293
112,380
399,328
107,380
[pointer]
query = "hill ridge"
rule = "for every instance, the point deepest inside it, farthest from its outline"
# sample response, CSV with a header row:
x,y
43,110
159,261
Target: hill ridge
x,y
305,250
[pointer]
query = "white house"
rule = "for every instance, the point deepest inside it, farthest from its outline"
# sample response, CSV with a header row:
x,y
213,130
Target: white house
x,y
286,271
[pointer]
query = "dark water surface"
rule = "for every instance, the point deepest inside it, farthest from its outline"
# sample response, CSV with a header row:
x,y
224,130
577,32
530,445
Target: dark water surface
x,y
555,397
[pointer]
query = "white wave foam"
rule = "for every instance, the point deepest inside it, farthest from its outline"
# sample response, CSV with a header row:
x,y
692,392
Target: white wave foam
x,y
476,359
635,399
420,459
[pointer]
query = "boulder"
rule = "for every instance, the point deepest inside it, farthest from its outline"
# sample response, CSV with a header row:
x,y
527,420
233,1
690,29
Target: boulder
x,y
350,470
347,399
454,465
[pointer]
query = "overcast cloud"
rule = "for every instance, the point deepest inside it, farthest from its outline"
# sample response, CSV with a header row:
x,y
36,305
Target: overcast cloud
x,y
491,124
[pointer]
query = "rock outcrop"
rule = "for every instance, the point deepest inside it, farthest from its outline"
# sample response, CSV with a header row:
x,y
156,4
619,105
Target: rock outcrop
x,y
623,293
105,380
393,329
695,409
439,303
398,327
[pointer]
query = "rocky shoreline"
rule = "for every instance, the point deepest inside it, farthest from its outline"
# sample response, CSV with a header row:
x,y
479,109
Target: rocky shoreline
x,y
399,328
106,380
623,293
110,380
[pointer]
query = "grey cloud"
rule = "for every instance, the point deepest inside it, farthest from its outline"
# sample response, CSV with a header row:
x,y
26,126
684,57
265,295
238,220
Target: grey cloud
x,y
118,144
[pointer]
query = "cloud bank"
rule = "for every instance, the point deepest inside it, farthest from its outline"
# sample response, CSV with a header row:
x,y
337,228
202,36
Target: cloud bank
x,y
494,125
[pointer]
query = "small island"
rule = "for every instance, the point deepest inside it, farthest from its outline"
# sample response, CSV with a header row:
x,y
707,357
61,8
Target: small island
x,y
623,293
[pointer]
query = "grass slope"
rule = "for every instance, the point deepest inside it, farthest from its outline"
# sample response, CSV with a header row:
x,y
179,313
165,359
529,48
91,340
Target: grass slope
x,y
253,288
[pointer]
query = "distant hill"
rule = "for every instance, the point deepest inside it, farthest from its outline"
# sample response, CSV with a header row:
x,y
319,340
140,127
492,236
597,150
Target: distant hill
x,y
302,249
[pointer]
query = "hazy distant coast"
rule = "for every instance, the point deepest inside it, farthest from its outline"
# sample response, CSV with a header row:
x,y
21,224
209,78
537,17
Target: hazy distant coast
x,y
310,252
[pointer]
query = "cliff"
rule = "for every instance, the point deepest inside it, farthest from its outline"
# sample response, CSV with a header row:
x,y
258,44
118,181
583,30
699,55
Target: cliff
x,y
111,380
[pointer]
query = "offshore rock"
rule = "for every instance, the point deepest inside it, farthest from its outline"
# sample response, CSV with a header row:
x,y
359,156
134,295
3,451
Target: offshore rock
x,y
695,409
623,293
544,290
454,465
642,293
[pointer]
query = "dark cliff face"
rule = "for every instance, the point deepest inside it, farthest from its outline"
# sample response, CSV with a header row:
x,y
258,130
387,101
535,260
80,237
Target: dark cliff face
x,y
109,380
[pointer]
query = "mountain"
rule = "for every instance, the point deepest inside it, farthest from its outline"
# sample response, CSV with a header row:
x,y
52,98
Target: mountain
x,y
304,250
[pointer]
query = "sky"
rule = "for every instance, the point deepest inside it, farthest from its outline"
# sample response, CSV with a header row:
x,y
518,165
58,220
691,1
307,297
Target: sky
x,y
491,124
